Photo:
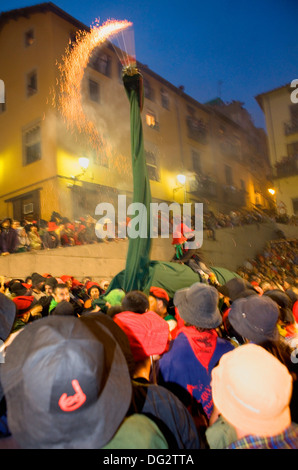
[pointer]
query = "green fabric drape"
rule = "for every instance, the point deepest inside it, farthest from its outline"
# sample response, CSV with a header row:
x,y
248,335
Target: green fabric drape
x,y
138,256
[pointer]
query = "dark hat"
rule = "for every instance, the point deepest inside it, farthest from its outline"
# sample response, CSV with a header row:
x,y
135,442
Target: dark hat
x,y
51,281
63,308
255,318
65,385
198,305
7,316
284,302
18,288
239,288
90,317
37,279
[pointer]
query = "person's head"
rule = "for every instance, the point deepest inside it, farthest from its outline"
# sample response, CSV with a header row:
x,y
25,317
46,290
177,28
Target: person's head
x,y
148,334
252,389
8,312
94,292
49,286
135,301
255,318
67,280
158,300
198,306
61,292
6,223
66,384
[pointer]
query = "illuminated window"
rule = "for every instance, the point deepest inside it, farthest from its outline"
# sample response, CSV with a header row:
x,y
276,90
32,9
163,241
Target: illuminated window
x,y
29,38
151,120
31,83
32,144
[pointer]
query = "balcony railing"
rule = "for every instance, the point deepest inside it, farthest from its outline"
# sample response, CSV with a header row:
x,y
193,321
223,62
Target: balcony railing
x,y
291,127
234,196
203,186
287,166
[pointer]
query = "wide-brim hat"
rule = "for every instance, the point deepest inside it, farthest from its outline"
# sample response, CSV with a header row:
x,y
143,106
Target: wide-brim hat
x,y
284,302
198,305
252,390
7,316
239,288
255,318
65,385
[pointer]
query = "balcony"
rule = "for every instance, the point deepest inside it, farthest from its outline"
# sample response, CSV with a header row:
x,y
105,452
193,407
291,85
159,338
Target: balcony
x,y
287,166
203,185
291,127
235,197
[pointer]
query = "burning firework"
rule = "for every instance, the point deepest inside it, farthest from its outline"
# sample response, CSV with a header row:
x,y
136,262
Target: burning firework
x,y
72,71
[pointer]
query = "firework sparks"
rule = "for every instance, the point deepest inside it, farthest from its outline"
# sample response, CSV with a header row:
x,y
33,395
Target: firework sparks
x,y
72,69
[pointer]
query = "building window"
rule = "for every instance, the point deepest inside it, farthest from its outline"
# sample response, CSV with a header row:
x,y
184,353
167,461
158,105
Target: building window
x,y
2,97
229,175
32,144
242,185
196,161
29,38
165,101
151,120
148,91
94,91
196,129
152,168
31,83
101,62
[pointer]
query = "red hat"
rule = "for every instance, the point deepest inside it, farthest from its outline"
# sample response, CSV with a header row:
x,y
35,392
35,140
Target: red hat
x,y
52,226
159,293
295,311
147,333
23,303
91,284
65,278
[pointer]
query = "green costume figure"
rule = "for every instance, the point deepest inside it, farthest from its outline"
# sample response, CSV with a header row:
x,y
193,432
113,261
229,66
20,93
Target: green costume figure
x,y
138,256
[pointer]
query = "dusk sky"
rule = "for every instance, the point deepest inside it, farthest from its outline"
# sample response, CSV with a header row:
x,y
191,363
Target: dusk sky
x,y
249,46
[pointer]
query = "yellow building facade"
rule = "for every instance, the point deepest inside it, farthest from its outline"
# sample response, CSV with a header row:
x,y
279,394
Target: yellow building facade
x,y
280,107
39,153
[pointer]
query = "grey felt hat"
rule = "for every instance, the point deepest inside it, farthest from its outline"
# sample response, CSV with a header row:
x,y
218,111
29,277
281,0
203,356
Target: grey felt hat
x,y
255,318
198,305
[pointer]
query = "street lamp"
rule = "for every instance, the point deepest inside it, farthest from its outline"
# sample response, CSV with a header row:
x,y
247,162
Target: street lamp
x,y
271,191
181,180
84,163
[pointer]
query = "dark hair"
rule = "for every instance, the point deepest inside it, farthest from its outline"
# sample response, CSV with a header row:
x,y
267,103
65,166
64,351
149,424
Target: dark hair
x,y
60,286
135,301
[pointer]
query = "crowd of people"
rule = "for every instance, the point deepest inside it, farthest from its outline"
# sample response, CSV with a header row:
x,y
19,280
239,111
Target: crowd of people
x,y
90,366
29,235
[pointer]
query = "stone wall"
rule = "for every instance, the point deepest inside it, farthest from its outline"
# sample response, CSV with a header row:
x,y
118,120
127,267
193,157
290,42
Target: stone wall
x,y
105,260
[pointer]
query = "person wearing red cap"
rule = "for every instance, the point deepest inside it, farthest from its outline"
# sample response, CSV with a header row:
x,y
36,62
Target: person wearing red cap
x,y
158,302
93,291
148,336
